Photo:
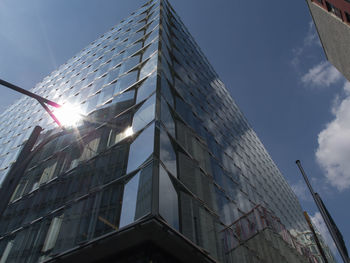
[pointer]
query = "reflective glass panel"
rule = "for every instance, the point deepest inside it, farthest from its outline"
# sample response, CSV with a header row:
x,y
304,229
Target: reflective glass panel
x,y
167,153
125,96
149,66
137,196
145,114
147,88
168,199
153,47
166,91
130,63
126,80
113,74
129,201
141,148
167,118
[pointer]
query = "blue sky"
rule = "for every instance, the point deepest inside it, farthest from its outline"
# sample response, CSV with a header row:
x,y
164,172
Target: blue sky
x,y
267,54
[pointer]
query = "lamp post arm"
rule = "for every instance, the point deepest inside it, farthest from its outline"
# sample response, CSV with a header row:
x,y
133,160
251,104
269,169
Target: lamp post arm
x,y
28,93
51,114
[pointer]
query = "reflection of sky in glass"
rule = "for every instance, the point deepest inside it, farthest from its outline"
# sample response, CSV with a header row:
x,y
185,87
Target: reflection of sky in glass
x,y
145,114
168,200
147,87
149,66
141,148
167,118
167,153
129,201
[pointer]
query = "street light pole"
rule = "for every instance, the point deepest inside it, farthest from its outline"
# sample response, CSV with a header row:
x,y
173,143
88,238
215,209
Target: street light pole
x,y
332,228
41,100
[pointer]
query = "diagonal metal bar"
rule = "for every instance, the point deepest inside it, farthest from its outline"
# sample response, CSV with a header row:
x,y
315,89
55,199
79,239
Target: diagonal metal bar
x,y
28,93
51,114
332,228
40,99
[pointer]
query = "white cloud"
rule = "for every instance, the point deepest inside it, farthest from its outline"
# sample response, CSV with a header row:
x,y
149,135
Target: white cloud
x,y
320,225
321,75
300,190
311,39
347,88
334,144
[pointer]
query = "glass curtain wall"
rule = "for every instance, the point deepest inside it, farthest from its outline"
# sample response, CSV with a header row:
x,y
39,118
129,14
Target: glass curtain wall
x,y
162,126
97,178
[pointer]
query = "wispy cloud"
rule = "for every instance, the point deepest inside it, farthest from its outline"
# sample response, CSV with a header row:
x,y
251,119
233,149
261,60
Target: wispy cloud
x,y
320,225
334,144
311,39
321,75
301,190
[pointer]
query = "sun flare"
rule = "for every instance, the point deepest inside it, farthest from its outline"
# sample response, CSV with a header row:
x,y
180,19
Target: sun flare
x,y
68,115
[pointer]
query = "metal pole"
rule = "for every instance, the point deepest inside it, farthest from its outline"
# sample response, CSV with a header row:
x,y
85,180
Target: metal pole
x,y
28,93
306,179
320,248
40,99
51,114
324,215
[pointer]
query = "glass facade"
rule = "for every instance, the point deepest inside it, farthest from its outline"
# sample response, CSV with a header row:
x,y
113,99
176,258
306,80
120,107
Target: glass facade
x,y
162,138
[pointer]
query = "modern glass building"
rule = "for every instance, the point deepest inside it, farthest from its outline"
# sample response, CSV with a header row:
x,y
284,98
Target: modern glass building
x,y
164,168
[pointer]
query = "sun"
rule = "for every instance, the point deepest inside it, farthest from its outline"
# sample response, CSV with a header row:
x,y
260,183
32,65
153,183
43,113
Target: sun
x,y
68,115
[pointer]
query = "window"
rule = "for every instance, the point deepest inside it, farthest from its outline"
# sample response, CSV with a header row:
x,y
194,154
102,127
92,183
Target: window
x,y
129,201
336,11
347,15
168,199
145,114
48,172
147,87
141,148
90,149
167,153
137,196
52,233
6,252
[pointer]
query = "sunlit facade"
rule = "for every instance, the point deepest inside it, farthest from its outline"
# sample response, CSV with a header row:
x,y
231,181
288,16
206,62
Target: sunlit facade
x,y
164,168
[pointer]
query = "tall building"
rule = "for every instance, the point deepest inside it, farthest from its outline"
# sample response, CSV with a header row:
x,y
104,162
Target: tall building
x,y
332,20
164,168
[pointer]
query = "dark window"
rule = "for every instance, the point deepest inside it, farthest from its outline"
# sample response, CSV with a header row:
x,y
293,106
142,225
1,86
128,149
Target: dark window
x,y
347,15
336,11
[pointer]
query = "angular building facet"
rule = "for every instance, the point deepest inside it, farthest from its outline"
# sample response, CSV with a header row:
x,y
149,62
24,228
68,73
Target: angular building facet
x,y
332,21
164,168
